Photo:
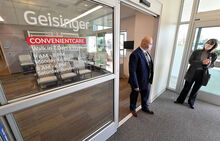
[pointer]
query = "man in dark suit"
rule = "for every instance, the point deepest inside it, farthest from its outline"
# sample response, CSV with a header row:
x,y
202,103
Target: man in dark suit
x,y
141,75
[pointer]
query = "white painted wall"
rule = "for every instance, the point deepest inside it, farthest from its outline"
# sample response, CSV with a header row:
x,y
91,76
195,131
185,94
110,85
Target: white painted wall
x,y
165,42
128,24
144,25
154,8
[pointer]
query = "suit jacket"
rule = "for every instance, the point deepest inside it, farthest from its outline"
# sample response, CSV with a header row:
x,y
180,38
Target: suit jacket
x,y
195,63
140,74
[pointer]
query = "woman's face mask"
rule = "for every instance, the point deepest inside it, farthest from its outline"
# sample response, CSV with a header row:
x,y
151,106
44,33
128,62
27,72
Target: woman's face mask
x,y
208,46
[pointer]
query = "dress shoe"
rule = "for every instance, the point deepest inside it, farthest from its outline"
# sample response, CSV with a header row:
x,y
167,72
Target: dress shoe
x,y
134,113
148,111
177,102
191,106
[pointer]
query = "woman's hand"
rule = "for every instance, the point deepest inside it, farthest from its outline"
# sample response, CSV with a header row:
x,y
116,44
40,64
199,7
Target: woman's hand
x,y
206,61
136,89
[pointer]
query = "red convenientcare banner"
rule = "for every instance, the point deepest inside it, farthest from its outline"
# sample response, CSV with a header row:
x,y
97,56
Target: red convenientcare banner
x,y
54,40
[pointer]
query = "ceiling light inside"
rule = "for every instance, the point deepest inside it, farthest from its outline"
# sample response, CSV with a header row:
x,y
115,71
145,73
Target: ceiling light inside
x,y
83,14
1,19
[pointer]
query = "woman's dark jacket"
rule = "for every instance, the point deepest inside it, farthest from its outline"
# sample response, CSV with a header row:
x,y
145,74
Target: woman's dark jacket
x,y
196,62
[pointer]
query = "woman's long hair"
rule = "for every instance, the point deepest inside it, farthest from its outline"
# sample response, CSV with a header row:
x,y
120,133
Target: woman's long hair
x,y
212,42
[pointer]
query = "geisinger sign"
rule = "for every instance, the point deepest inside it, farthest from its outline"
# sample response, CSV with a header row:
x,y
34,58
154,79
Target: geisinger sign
x,y
49,20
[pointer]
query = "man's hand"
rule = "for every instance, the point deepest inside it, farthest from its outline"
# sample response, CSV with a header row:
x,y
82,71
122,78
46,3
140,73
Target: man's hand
x,y
136,89
206,61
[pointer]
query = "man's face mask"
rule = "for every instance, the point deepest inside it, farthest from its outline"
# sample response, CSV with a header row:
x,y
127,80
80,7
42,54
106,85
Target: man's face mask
x,y
149,47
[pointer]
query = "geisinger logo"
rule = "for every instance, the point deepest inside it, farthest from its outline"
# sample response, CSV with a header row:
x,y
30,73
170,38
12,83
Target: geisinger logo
x,y
33,19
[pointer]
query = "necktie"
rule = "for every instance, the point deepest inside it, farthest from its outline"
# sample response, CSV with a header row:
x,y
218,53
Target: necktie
x,y
148,60
149,63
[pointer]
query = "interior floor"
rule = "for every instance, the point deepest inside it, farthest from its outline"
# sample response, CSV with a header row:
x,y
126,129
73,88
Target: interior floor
x,y
172,122
124,98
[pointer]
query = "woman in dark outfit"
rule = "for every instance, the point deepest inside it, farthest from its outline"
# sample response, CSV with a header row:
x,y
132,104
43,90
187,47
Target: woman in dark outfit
x,y
200,61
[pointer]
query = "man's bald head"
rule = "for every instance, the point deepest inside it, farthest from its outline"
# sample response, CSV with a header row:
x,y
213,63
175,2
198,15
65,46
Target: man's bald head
x,y
147,42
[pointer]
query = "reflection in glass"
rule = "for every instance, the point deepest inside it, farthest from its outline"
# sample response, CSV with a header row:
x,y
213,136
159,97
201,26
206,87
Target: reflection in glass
x,y
42,47
207,5
187,10
181,40
70,118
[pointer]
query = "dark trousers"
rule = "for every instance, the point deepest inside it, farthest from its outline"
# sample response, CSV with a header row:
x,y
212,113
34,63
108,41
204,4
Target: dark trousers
x,y
144,98
197,80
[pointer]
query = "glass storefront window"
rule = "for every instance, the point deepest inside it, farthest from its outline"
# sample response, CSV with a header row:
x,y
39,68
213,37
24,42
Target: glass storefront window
x,y
181,40
48,44
70,118
207,5
187,10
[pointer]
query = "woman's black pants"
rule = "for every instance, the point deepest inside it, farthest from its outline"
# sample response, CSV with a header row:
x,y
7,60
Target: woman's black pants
x,y
197,81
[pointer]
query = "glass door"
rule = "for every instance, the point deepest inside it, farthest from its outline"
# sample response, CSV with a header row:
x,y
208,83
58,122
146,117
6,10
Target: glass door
x,y
59,64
